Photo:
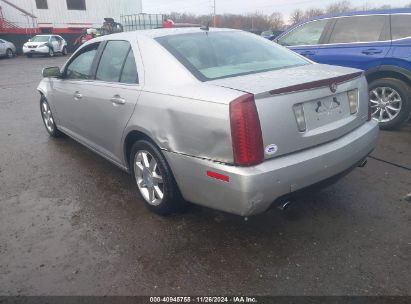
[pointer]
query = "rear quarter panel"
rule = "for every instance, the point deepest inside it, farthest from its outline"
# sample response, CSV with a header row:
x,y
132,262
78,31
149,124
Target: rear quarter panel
x,y
184,125
400,54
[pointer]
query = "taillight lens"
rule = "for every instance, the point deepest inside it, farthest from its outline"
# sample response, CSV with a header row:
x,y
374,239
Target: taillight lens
x,y
246,131
300,117
353,101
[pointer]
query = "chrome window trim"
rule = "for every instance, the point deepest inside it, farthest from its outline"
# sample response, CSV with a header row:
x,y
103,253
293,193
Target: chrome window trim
x,y
344,43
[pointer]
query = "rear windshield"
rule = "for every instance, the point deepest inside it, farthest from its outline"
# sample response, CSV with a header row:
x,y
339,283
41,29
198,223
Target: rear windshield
x,y
214,55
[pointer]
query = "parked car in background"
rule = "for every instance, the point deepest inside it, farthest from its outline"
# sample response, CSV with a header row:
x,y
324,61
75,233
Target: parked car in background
x,y
7,49
270,35
234,122
378,42
47,45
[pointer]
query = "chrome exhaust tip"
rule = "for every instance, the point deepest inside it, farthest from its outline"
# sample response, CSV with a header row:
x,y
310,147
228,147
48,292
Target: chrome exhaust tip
x,y
363,163
284,205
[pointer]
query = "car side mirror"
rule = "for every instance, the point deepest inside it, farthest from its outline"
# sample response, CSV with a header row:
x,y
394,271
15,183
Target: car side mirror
x,y
53,72
29,40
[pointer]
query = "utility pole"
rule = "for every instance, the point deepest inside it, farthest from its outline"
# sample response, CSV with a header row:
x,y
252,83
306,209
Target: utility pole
x,y
214,14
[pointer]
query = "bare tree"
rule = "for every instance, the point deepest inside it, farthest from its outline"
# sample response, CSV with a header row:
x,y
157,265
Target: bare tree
x,y
339,7
387,6
313,12
296,16
277,21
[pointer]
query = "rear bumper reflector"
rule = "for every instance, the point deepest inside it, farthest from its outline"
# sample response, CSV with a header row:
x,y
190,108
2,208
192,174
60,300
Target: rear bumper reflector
x,y
224,178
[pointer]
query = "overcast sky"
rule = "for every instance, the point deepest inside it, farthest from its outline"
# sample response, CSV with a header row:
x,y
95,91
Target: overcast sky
x,y
251,6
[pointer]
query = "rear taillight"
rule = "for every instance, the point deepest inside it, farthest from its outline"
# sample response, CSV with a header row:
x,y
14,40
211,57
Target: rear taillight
x,y
246,131
369,108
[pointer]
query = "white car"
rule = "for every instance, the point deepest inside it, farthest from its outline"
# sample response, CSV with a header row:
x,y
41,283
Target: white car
x,y
45,45
7,49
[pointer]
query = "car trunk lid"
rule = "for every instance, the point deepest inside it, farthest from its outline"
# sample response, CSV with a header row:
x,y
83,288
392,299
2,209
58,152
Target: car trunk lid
x,y
321,90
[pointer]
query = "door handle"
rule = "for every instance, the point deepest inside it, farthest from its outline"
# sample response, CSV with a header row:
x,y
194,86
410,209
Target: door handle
x,y
77,95
307,53
117,99
371,51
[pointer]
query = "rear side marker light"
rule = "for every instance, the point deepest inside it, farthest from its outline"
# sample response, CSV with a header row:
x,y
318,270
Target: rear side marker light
x,y
246,135
300,117
218,176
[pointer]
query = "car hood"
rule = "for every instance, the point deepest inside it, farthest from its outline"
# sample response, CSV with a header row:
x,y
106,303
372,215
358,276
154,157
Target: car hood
x,y
273,80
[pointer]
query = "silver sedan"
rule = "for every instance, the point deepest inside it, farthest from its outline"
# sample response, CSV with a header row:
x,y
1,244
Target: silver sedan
x,y
220,118
7,49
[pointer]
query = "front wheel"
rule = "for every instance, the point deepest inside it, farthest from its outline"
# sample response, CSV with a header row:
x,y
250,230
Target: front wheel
x,y
51,52
64,52
48,118
154,179
9,53
390,102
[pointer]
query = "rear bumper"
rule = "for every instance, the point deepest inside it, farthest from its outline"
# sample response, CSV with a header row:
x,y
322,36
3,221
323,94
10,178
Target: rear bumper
x,y
252,190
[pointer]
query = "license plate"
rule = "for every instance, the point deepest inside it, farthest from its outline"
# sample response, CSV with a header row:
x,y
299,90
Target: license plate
x,y
326,110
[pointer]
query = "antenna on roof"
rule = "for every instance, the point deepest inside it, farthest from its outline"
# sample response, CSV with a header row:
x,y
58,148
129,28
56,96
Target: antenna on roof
x,y
206,27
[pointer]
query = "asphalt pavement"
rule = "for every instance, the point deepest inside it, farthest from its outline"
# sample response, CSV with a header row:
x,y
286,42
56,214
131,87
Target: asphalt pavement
x,y
72,223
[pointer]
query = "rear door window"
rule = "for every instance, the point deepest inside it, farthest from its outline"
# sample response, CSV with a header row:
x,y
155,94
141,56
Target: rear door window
x,y
359,29
307,34
400,26
129,73
112,61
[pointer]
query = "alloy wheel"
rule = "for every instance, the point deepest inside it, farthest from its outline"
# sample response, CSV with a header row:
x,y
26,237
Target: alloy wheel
x,y
47,116
9,53
148,177
386,104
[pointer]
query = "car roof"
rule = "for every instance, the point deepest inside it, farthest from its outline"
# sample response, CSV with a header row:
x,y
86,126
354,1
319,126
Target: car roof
x,y
155,33
350,14
364,13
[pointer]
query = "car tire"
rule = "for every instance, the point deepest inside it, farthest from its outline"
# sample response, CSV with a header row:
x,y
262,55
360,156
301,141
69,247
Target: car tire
x,y
51,52
154,179
29,55
64,52
9,53
392,98
48,118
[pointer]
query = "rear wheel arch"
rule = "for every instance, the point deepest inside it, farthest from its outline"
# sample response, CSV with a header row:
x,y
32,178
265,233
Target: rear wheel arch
x,y
390,72
132,137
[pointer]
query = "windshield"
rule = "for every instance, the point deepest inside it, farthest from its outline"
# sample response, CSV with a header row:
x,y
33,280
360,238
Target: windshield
x,y
213,55
40,39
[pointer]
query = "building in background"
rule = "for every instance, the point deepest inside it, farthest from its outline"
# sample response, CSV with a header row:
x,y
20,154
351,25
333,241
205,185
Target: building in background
x,y
64,17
